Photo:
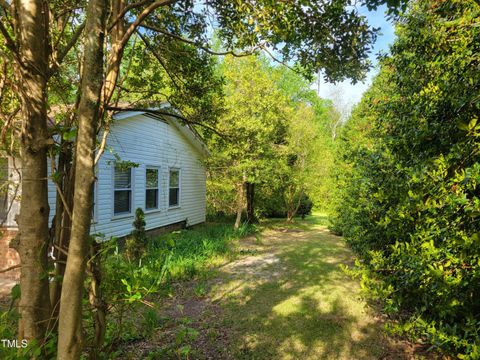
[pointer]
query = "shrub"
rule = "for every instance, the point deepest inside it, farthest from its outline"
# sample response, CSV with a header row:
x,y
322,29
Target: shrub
x,y
409,173
305,207
135,244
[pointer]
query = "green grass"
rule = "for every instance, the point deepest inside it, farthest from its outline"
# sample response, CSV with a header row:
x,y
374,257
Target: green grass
x,y
198,249
312,310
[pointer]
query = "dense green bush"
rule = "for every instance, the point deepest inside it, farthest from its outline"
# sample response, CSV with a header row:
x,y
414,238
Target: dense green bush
x,y
409,178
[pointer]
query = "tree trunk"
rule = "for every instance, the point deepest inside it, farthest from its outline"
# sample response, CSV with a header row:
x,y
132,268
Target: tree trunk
x,y
240,205
293,209
250,188
62,225
70,343
31,21
95,297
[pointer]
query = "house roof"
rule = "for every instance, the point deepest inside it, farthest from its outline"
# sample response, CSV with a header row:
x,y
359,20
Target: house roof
x,y
168,114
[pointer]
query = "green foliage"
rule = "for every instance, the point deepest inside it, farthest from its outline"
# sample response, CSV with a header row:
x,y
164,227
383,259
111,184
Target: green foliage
x,y
136,243
305,207
276,134
195,250
179,255
408,188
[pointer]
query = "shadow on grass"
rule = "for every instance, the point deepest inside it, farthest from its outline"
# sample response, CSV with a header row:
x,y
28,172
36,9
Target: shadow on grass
x,y
311,311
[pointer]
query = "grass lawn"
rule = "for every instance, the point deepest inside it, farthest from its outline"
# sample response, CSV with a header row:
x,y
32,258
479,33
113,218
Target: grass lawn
x,y
294,301
283,297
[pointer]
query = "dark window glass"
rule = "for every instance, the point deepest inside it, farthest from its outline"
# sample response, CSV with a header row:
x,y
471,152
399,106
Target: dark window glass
x,y
151,185
173,197
152,199
122,202
174,188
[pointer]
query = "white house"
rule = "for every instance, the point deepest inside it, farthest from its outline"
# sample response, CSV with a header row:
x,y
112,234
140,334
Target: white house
x,y
167,179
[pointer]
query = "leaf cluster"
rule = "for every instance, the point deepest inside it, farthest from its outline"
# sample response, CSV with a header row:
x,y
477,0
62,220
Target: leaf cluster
x,y
409,177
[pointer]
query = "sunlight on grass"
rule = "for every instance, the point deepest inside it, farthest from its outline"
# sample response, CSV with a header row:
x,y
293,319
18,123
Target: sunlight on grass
x,y
309,310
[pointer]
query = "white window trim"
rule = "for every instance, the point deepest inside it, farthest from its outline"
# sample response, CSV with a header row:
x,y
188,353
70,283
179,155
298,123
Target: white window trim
x,y
179,205
158,168
132,200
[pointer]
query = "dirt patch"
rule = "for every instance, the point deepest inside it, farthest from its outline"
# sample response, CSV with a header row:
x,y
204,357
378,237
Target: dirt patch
x,y
267,266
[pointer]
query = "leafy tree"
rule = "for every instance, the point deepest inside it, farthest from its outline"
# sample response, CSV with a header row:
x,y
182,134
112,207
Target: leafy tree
x,y
43,42
253,128
408,185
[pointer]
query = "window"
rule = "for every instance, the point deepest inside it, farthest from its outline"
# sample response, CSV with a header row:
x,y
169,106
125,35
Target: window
x,y
122,198
151,186
174,188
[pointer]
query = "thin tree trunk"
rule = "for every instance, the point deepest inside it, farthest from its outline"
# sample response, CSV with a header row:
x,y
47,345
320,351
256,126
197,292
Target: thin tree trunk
x,y
63,224
95,297
240,205
31,27
70,343
250,188
292,211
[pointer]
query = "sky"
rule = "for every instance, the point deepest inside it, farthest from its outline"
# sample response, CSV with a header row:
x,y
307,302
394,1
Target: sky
x,y
344,94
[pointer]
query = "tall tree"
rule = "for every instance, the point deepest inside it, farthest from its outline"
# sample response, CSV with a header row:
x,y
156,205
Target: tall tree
x,y
31,52
70,343
253,126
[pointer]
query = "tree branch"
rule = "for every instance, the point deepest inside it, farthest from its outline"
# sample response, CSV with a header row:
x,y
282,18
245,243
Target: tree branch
x,y
157,56
269,53
73,40
191,42
167,113
9,42
125,11
10,268
141,17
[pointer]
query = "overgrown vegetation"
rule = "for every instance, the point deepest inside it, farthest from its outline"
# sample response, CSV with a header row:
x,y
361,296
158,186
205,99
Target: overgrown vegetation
x,y
274,154
131,286
409,174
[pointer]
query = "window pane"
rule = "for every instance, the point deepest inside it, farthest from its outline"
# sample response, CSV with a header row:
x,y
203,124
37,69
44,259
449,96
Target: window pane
x,y
174,178
173,197
123,178
152,178
122,201
151,199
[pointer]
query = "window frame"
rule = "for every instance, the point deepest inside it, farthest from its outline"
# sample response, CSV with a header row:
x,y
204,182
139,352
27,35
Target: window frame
x,y
131,189
152,167
178,205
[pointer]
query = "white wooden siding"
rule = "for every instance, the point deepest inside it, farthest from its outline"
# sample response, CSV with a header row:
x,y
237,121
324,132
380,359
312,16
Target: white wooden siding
x,y
148,142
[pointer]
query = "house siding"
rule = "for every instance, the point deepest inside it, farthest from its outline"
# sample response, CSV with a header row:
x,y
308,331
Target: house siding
x,y
147,142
